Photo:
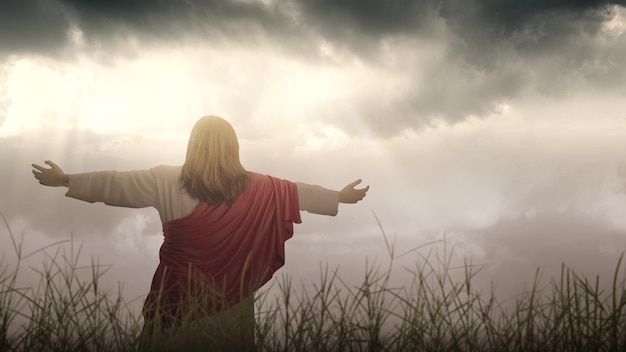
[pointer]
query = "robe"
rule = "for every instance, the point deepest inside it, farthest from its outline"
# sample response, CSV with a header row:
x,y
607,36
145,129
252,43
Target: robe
x,y
221,253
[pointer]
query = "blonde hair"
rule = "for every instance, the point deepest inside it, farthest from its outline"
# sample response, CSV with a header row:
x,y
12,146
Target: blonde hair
x,y
212,171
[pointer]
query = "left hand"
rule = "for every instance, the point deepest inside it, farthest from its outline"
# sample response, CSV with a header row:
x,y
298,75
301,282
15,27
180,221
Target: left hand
x,y
349,194
54,177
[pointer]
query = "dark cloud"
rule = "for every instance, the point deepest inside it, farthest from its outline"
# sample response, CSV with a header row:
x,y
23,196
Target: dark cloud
x,y
369,17
494,49
167,19
32,26
40,25
359,26
527,25
481,25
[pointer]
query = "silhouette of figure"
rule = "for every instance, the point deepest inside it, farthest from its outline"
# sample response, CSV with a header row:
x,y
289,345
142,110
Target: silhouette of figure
x,y
224,230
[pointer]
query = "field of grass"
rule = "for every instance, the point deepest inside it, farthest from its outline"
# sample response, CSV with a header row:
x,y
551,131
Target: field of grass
x,y
438,310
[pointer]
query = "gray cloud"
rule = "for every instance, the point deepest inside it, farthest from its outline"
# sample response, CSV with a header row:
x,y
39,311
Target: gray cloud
x,y
494,51
444,93
360,26
40,25
32,26
528,25
167,19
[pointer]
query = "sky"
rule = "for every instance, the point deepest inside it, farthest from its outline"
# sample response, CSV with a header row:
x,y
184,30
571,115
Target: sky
x,y
497,126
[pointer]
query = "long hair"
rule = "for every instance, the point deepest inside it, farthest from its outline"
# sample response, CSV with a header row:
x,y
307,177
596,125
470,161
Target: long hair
x,y
212,171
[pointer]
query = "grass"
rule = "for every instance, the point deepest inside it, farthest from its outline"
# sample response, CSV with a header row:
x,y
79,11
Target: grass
x,y
67,310
438,310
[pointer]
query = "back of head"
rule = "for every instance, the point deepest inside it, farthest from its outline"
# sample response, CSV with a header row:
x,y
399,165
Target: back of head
x,y
212,171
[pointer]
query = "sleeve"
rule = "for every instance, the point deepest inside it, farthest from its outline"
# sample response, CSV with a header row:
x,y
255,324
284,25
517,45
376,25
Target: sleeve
x,y
317,199
132,189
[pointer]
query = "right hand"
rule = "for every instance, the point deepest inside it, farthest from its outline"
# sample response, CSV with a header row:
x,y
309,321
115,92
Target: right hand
x,y
54,177
349,194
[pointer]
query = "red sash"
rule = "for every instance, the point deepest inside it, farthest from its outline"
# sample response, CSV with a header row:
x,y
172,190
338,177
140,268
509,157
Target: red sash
x,y
221,253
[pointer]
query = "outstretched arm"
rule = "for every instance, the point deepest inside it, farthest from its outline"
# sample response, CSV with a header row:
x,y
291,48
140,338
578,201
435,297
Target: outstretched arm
x,y
133,189
54,177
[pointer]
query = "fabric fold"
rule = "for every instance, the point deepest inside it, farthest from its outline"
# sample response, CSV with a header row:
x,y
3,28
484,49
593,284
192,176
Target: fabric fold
x,y
221,253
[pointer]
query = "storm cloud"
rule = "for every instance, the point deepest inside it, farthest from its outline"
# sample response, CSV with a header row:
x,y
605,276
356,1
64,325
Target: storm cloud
x,y
486,52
